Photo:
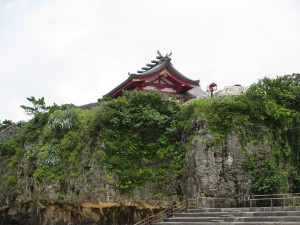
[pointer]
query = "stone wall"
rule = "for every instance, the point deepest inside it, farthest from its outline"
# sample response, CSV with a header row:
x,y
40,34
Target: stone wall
x,y
230,91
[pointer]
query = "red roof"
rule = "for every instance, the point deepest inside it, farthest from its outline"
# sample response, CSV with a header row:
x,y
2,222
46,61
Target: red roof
x,y
159,68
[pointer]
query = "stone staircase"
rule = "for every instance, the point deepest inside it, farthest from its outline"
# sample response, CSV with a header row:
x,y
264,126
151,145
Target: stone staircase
x,y
236,216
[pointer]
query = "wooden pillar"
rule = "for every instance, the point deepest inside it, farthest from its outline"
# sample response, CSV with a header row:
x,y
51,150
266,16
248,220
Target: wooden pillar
x,y
272,209
294,204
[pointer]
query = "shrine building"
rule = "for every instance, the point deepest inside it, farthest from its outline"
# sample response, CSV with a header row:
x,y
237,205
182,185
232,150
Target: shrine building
x,y
160,75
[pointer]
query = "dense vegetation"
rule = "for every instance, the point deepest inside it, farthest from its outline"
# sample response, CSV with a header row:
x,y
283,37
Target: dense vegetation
x,y
142,133
5,124
270,108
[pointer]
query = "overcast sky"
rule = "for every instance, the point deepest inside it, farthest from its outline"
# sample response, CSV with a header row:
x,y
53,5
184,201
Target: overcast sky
x,y
75,51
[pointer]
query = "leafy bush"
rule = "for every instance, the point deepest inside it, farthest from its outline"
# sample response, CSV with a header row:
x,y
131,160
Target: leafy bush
x,y
11,181
62,121
139,128
269,178
49,173
9,148
32,130
5,124
51,160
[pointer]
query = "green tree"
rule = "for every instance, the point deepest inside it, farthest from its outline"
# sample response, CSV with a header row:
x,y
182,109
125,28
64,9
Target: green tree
x,y
284,90
39,105
5,124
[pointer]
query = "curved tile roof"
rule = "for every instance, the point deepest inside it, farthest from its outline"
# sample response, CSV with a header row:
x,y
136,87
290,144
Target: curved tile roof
x,y
196,92
164,63
154,68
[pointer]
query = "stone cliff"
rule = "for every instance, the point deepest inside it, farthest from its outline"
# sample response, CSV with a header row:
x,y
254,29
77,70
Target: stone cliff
x,y
92,198
218,171
130,157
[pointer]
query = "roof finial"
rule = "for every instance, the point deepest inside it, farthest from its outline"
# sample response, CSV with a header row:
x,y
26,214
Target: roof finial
x,y
158,52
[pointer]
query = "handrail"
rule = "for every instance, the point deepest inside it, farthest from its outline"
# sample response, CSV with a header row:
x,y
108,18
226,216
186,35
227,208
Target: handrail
x,y
287,194
258,199
287,199
194,203
158,217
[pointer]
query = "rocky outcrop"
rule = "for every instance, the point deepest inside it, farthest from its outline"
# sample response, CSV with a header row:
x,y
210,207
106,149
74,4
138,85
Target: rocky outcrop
x,y
89,106
86,198
91,197
45,212
231,91
8,133
217,170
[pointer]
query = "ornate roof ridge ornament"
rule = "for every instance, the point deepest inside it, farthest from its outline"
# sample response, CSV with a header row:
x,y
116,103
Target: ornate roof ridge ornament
x,y
159,55
154,63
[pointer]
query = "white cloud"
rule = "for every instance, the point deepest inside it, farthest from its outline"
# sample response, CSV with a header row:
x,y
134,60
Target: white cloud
x,y
76,51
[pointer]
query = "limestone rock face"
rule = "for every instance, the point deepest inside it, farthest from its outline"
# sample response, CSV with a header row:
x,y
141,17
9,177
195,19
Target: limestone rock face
x,y
217,171
8,133
90,197
83,213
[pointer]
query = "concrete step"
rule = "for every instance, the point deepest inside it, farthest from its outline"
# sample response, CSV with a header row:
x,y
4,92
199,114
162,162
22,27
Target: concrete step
x,y
235,219
227,223
240,214
247,209
235,216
